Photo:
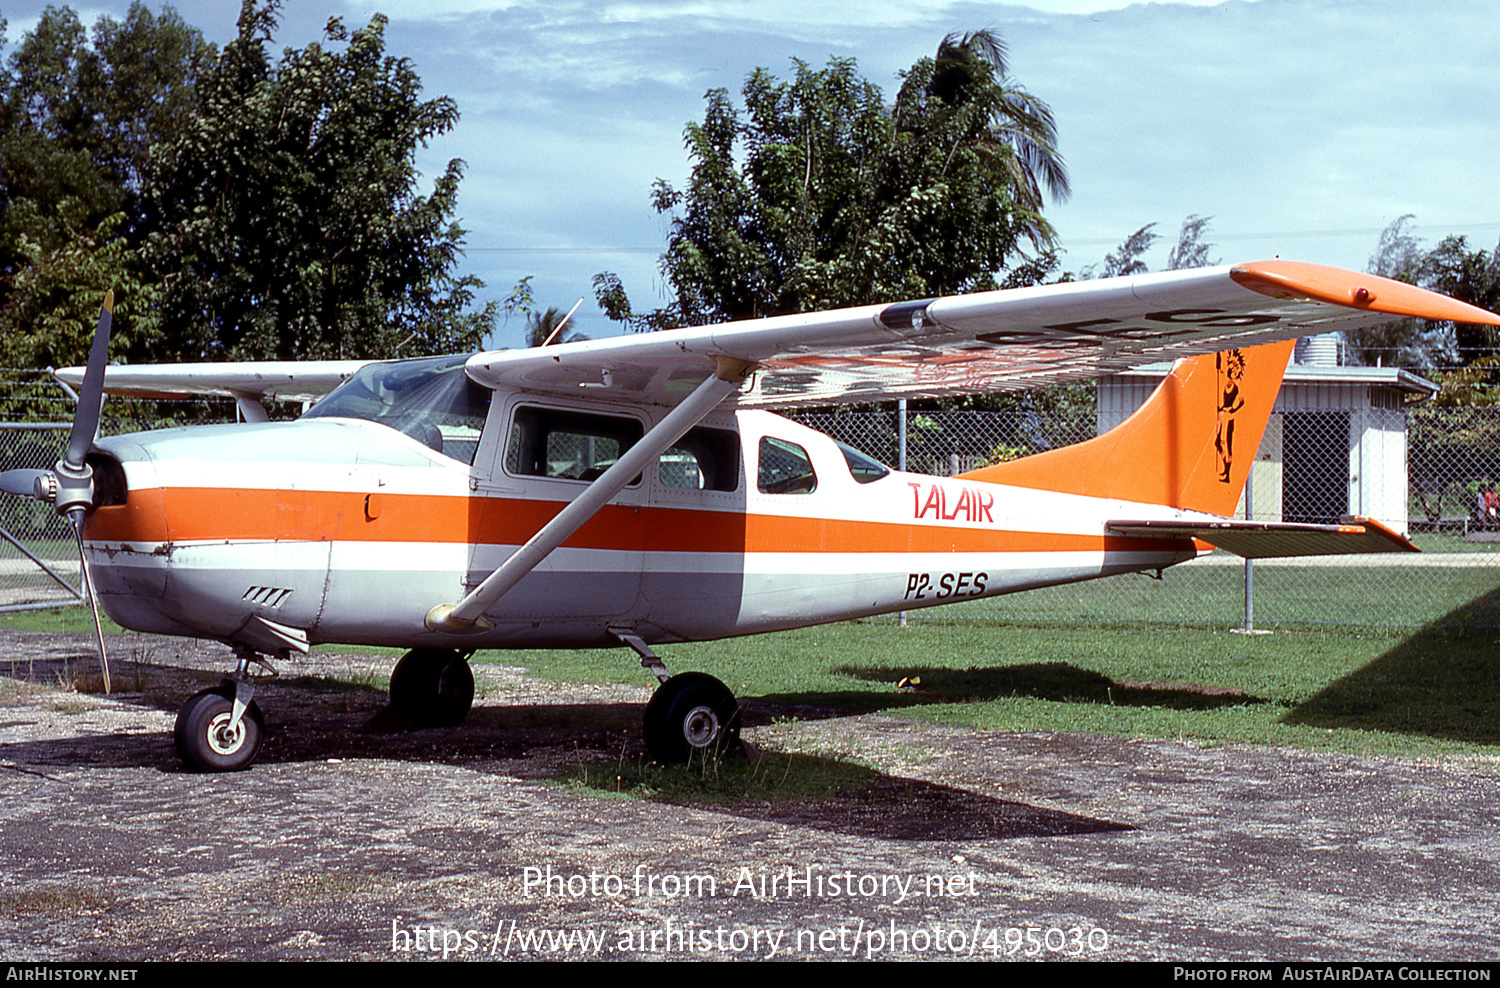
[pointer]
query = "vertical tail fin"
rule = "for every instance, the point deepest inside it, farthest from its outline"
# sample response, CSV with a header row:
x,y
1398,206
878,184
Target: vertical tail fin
x,y
1189,446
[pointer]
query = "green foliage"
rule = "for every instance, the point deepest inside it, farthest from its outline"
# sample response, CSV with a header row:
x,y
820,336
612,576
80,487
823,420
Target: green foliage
x,y
819,195
288,220
541,327
1453,269
1125,259
1453,443
1469,276
240,206
550,327
76,123
1191,251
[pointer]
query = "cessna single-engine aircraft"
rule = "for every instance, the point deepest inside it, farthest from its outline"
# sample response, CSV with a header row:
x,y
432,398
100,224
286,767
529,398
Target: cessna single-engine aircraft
x,y
637,491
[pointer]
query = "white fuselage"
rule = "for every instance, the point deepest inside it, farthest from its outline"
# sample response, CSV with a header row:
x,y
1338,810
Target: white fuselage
x,y
345,530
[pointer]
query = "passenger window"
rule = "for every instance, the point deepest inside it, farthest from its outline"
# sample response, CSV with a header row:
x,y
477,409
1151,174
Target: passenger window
x,y
785,468
702,460
864,469
545,442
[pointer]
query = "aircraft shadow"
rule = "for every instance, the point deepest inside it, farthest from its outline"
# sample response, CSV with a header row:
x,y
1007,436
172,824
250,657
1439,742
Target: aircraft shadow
x,y
1442,682
1056,681
311,719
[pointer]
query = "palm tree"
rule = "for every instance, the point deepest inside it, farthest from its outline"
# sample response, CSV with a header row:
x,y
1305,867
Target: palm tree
x,y
1004,122
541,325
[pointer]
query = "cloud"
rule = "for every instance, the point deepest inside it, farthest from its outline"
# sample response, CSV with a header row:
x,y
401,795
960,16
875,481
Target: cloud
x,y
1287,119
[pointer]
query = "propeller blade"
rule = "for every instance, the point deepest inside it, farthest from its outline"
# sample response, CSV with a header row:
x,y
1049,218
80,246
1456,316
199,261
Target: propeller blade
x,y
91,394
76,516
22,481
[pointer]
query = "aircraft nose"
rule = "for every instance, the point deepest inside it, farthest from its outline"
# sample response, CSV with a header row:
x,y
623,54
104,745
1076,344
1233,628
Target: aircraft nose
x,y
127,496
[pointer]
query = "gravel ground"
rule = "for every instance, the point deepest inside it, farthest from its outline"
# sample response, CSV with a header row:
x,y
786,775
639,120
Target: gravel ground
x,y
348,840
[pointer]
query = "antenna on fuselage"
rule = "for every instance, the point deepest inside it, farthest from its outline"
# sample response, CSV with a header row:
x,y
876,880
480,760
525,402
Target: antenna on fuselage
x,y
553,335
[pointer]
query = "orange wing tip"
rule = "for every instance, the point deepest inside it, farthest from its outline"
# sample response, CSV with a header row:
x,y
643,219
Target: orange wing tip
x,y
1295,279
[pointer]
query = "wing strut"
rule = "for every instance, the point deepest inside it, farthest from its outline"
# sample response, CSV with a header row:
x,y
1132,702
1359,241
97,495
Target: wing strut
x,y
467,616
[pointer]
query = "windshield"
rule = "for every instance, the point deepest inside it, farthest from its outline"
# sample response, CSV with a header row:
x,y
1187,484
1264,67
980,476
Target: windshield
x,y
433,401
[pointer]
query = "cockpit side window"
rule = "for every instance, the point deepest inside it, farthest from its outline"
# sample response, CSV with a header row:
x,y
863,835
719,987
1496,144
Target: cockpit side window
x,y
549,442
785,468
433,401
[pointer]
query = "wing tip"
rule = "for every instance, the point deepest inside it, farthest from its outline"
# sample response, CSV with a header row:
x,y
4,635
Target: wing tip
x,y
1298,279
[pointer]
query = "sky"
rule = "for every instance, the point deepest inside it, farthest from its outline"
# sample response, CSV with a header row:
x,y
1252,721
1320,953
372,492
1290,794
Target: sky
x,y
1302,127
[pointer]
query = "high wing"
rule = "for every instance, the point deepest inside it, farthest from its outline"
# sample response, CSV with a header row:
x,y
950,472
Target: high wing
x,y
961,344
989,341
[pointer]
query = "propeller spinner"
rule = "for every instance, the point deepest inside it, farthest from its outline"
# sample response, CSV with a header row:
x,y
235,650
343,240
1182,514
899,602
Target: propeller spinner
x,y
70,484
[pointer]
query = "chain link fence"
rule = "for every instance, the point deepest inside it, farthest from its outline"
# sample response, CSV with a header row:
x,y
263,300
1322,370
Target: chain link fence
x,y
1430,472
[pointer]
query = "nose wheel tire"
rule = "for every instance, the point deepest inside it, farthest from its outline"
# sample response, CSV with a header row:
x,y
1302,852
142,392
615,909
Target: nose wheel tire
x,y
205,740
432,687
691,714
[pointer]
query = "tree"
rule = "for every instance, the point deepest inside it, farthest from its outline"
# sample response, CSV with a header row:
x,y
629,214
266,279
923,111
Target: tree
x,y
1002,120
818,194
540,327
1126,258
1472,276
77,119
1453,269
1410,343
1191,251
285,214
239,208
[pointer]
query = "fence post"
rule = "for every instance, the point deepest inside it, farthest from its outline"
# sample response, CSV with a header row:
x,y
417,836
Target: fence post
x,y
1249,628
901,465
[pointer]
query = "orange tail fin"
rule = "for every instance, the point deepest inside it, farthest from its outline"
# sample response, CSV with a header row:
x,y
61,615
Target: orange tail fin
x,y
1189,446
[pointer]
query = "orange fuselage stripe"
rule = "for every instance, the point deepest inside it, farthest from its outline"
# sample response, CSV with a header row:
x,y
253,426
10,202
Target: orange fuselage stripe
x,y
184,514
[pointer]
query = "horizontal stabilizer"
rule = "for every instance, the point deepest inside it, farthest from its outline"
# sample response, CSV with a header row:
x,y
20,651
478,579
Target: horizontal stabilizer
x,y
1270,539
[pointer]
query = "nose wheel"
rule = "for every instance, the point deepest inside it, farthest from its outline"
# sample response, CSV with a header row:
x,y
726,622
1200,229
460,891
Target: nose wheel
x,y
691,714
210,738
433,687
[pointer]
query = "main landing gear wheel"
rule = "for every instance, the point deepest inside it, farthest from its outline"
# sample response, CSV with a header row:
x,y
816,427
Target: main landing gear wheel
x,y
433,687
204,738
691,713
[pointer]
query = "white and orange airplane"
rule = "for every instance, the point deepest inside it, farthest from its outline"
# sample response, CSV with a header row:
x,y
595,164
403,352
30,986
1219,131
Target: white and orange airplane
x,y
637,491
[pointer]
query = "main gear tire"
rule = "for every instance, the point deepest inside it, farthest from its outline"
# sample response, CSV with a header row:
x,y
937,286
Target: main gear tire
x,y
432,687
692,715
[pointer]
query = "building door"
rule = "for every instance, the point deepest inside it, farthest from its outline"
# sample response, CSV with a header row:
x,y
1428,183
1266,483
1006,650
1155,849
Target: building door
x,y
1315,485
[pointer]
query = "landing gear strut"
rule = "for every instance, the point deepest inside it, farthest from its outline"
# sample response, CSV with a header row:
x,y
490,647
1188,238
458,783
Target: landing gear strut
x,y
690,714
433,687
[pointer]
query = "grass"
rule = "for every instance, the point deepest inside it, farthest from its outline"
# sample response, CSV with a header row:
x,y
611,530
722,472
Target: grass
x,y
1433,691
57,900
1286,595
62,620
1450,542
329,886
